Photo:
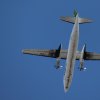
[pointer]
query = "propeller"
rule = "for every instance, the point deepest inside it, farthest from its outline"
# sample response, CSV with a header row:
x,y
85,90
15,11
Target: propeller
x,y
57,65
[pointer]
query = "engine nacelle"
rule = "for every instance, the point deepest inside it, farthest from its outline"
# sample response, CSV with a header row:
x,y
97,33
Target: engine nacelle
x,y
57,54
58,51
82,55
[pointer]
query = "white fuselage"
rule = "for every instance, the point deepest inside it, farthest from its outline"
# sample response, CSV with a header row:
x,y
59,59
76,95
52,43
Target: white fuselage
x,y
71,56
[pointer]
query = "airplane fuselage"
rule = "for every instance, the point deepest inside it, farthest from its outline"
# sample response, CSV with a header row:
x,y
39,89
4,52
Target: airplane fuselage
x,y
71,56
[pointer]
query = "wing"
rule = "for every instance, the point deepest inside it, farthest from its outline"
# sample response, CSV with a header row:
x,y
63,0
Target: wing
x,y
91,56
45,53
49,53
63,54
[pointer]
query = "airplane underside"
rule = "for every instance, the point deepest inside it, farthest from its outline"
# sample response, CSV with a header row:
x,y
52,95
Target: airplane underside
x,y
71,54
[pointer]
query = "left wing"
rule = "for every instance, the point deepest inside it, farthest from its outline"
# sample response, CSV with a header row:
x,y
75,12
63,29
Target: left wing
x,y
49,53
45,53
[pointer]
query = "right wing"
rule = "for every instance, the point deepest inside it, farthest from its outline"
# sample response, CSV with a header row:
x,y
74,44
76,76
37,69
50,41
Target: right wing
x,y
91,56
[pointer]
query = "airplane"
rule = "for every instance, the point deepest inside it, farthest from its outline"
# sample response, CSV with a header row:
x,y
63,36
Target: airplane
x,y
71,54
72,48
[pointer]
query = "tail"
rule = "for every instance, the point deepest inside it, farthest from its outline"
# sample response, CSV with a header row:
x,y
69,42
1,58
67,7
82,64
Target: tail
x,y
72,19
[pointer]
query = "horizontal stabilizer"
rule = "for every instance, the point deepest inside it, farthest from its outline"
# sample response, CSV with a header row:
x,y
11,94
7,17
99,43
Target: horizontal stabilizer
x,y
72,20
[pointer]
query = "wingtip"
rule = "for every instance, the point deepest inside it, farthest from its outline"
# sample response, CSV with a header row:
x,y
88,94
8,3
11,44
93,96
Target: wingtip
x,y
91,21
22,51
25,51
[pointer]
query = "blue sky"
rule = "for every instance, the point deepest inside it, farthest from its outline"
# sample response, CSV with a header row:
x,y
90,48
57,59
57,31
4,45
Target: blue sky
x,y
28,24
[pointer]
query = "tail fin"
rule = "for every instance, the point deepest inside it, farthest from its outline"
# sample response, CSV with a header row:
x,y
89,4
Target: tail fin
x,y
75,13
72,19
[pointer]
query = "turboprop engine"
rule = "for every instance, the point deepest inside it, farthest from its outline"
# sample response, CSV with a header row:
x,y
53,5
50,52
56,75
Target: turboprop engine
x,y
82,56
58,51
